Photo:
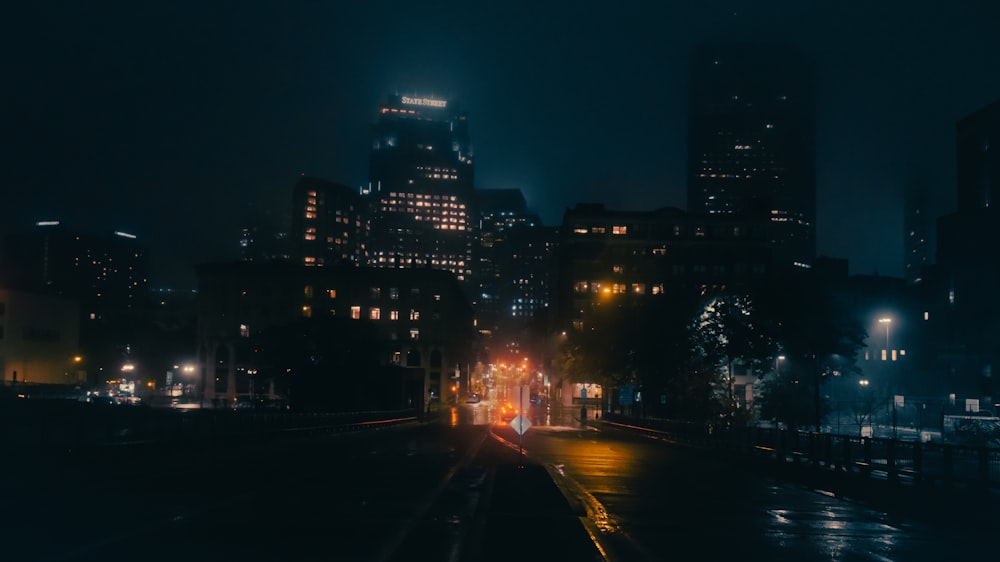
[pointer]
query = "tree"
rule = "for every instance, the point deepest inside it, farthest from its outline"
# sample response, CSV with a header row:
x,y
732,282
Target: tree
x,y
723,336
820,339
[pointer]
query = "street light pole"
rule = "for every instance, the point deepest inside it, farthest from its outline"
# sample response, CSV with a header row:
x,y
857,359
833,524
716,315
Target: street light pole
x,y
887,322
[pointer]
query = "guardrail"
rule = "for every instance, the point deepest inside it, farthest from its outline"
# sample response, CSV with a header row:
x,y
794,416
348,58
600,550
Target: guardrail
x,y
975,469
53,425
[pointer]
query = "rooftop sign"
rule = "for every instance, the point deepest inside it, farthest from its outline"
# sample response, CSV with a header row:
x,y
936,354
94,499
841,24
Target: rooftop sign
x,y
424,101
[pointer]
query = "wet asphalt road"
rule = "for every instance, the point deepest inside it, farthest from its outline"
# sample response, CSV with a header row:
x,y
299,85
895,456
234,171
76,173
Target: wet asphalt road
x,y
450,490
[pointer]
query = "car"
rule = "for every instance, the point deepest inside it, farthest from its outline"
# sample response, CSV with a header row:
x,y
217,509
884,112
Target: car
x,y
508,412
473,398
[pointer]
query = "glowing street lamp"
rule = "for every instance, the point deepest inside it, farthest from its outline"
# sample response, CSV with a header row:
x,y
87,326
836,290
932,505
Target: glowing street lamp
x,y
776,363
887,322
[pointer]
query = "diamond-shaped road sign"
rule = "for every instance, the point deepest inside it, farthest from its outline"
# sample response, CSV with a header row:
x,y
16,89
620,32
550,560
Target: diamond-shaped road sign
x,y
520,424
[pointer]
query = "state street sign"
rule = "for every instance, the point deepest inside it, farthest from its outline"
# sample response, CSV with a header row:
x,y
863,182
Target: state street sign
x,y
520,424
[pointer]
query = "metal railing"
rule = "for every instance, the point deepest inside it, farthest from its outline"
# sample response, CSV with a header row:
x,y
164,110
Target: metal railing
x,y
944,465
57,424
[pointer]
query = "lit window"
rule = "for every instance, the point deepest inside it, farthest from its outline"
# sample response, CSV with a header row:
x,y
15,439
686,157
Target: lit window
x,y
639,288
308,291
580,287
332,293
620,230
617,268
414,334
307,311
414,314
393,315
374,314
355,312
244,331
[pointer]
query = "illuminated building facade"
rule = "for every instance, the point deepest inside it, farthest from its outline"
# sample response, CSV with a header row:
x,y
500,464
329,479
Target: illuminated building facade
x,y
328,224
751,141
39,339
420,193
416,320
631,257
515,257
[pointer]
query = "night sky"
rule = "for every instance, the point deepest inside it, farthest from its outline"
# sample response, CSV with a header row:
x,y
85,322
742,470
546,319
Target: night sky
x,y
169,119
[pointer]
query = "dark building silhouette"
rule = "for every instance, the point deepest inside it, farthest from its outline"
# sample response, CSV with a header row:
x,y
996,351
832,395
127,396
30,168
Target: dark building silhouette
x,y
329,225
961,295
918,226
751,141
420,191
104,271
416,319
977,158
264,235
631,257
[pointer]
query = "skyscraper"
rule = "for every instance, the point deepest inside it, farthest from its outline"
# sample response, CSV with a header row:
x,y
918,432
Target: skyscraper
x,y
328,225
751,141
977,155
962,292
515,258
917,229
421,187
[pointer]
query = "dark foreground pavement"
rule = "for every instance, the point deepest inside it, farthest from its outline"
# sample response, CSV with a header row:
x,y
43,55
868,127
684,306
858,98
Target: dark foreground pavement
x,y
499,508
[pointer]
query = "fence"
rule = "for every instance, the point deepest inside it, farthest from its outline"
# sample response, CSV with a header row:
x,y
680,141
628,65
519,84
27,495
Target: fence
x,y
45,425
975,469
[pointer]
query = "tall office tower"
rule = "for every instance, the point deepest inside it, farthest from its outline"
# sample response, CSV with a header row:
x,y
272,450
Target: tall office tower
x,y
515,254
917,228
963,305
104,271
977,159
420,192
751,141
969,235
264,235
328,224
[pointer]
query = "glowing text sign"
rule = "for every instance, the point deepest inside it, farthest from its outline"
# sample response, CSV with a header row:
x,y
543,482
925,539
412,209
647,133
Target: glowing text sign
x,y
424,101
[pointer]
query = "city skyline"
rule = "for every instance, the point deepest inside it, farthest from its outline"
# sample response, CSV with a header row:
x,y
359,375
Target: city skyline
x,y
115,105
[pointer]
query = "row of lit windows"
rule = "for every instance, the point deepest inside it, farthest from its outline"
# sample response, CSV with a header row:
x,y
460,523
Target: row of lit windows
x,y
375,313
736,231
427,196
448,208
726,176
375,293
616,288
397,110
597,287
437,170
